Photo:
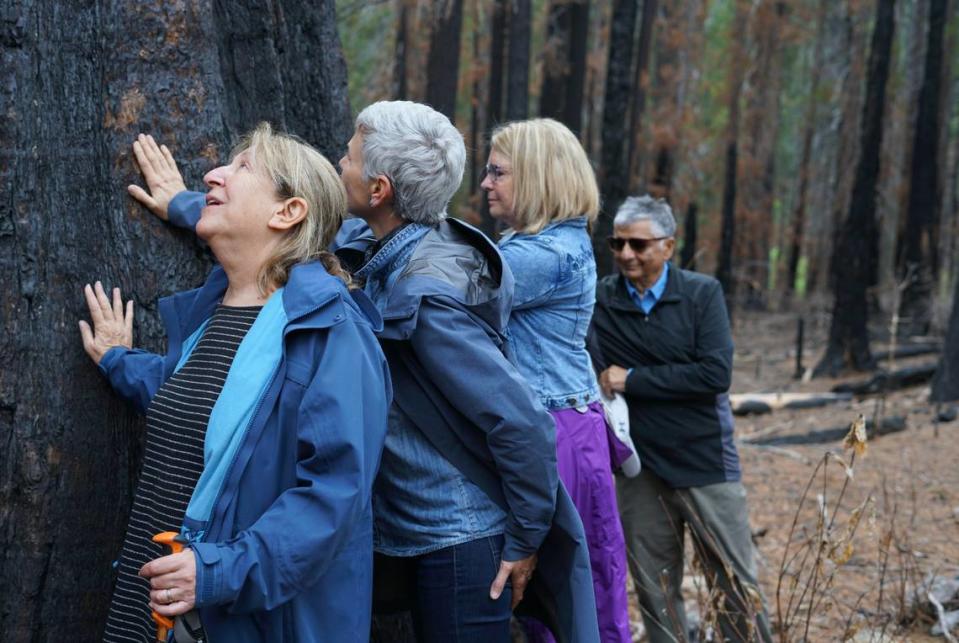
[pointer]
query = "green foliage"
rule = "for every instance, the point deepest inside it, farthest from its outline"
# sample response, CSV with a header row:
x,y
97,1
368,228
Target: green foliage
x,y
367,33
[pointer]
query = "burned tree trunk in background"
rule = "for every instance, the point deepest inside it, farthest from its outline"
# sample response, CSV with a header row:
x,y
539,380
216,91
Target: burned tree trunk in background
x,y
724,271
945,384
400,51
77,86
517,67
443,65
805,170
564,63
614,166
687,257
640,87
858,240
918,249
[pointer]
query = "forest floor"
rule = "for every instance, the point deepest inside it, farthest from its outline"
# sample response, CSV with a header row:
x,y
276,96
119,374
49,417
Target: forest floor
x,y
906,486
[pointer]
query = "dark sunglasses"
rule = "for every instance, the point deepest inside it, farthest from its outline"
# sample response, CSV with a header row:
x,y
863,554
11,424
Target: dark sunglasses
x,y
495,172
639,246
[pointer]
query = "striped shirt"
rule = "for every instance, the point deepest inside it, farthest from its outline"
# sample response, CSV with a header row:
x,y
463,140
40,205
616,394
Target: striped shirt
x,y
172,464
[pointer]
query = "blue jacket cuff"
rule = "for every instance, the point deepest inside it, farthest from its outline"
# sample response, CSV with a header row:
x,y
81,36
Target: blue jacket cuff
x,y
209,574
108,360
184,209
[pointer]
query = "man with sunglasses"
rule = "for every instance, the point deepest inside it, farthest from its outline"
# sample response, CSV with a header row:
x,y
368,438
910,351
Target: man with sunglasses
x,y
660,336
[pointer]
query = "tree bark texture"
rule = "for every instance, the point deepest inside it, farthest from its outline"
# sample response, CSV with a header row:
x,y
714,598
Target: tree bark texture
x,y
517,67
857,245
443,65
918,253
78,85
614,164
640,88
687,257
564,62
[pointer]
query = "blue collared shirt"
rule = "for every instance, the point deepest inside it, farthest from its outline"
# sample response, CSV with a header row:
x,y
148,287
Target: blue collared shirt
x,y
651,297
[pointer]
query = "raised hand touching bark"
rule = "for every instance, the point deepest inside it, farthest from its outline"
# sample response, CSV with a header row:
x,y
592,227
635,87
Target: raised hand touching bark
x,y
161,174
112,325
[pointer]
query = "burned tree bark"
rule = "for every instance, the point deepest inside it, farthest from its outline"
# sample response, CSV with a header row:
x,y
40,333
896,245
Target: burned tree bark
x,y
614,177
919,244
517,67
945,383
443,65
564,63
640,82
858,237
77,86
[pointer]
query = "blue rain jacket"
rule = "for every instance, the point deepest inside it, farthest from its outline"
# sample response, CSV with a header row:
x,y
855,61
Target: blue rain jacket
x,y
288,553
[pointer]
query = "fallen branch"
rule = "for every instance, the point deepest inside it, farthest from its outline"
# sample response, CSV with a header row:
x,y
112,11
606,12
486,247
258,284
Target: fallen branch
x,y
889,381
761,403
892,424
909,350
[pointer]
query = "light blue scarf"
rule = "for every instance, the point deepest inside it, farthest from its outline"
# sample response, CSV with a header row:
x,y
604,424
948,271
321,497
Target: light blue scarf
x,y
250,374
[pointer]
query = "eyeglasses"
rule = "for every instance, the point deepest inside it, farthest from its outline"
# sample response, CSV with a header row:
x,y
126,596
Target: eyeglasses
x,y
639,246
493,171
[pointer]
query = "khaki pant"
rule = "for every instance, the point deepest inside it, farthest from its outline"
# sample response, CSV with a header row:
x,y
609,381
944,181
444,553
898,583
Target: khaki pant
x,y
654,517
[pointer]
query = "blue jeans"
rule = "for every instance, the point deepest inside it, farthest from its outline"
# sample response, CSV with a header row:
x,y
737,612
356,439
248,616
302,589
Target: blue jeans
x,y
452,590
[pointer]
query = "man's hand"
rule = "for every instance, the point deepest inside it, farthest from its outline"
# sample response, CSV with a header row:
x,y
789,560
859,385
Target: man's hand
x,y
164,180
112,322
519,572
613,380
172,583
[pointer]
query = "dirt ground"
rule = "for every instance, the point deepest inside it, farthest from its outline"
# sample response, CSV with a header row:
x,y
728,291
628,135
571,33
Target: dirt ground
x,y
906,484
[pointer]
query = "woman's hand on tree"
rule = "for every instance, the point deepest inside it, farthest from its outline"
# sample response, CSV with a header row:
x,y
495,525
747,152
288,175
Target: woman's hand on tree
x,y
112,325
161,174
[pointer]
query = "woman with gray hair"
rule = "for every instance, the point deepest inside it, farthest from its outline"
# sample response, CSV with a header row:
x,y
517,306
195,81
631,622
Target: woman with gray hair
x,y
468,501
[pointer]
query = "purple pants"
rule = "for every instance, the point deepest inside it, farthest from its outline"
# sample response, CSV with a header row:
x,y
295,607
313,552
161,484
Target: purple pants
x,y
583,458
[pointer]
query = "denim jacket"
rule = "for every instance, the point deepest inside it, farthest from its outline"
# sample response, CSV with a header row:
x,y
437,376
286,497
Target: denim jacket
x,y
552,304
421,502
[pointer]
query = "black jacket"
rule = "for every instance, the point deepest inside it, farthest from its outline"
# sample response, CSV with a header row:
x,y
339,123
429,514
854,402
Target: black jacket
x,y
682,356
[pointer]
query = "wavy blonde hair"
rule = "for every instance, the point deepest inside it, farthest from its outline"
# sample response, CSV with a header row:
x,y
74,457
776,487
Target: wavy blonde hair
x,y
552,178
297,169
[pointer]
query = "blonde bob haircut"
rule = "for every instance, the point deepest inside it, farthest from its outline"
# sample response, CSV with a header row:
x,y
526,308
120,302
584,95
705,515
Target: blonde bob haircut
x,y
552,178
297,169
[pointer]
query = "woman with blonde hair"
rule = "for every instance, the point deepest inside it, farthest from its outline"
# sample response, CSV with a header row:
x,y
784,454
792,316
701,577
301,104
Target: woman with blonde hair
x,y
540,184
265,419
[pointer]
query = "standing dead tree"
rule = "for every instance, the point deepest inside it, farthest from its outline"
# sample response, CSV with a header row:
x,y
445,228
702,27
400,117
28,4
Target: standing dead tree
x,y
857,246
77,86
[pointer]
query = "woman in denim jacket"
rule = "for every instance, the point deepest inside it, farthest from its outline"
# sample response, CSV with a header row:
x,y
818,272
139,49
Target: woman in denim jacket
x,y
539,183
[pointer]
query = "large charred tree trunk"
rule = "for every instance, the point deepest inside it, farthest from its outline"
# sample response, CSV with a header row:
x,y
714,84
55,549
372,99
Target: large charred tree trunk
x,y
564,63
77,86
858,240
614,167
919,245
443,65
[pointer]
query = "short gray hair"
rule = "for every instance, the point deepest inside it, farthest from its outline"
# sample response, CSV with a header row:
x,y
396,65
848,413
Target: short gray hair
x,y
645,208
421,153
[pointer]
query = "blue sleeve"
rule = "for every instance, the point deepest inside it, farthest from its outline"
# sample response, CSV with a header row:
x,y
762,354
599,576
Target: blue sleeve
x,y
184,209
710,371
340,427
471,372
134,374
535,267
